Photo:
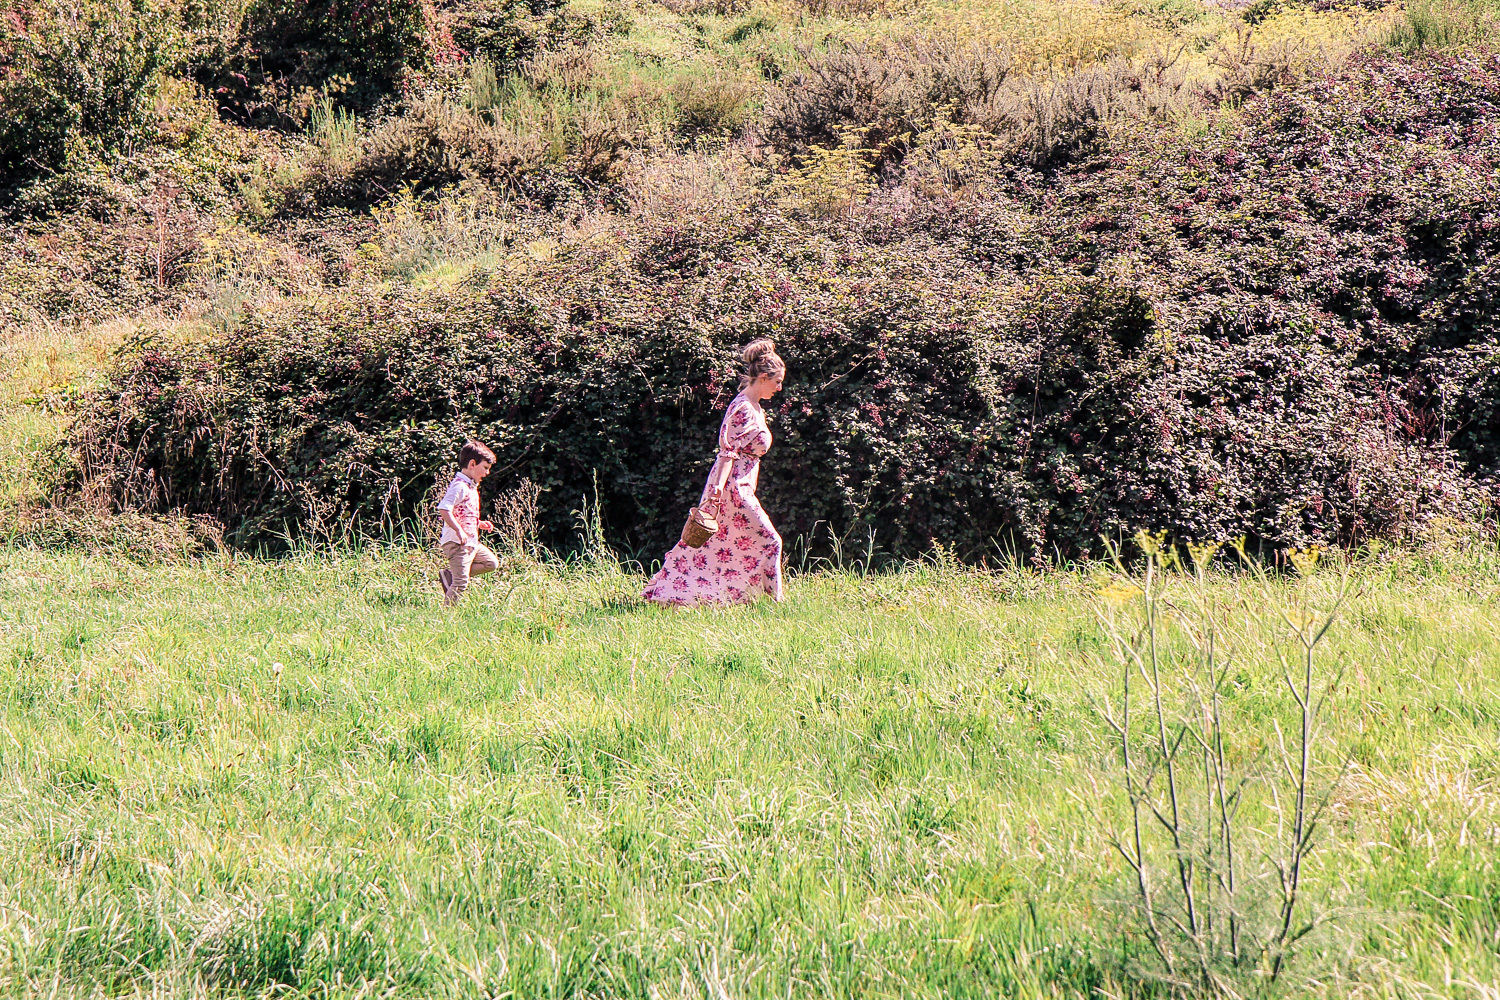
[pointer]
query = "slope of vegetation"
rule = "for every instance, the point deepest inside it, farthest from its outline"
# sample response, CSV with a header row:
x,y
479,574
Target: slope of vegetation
x,y
1047,272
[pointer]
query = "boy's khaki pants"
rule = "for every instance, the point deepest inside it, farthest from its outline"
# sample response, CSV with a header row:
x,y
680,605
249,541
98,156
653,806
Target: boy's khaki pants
x,y
466,560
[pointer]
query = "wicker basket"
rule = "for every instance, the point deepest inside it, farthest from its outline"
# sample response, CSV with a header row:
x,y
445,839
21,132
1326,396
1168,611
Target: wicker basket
x,y
702,524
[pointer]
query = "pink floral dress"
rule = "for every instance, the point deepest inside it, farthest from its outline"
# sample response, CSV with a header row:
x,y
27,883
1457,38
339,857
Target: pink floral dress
x,y
743,560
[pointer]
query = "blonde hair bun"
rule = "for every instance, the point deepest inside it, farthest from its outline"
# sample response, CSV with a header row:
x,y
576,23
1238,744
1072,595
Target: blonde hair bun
x,y
760,358
757,349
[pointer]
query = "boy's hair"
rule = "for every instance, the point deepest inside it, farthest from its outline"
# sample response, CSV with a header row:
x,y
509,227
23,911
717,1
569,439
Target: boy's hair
x,y
473,451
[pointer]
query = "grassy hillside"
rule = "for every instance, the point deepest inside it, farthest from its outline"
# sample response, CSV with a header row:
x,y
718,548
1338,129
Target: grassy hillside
x,y
605,92
304,778
174,196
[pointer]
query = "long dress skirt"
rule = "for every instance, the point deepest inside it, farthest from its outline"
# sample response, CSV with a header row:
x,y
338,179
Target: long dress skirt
x,y
742,561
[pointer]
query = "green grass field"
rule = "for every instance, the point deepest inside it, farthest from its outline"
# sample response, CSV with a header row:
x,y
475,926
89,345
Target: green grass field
x,y
306,778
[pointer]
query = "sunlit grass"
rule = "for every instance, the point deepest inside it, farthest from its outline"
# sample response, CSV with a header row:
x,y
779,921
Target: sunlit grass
x,y
305,775
1444,24
44,369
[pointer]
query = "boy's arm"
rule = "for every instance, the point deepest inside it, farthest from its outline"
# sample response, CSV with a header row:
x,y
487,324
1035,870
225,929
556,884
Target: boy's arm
x,y
445,509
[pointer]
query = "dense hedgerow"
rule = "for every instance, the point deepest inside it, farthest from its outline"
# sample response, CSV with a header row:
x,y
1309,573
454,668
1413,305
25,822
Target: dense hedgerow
x,y
1277,328
1049,415
890,418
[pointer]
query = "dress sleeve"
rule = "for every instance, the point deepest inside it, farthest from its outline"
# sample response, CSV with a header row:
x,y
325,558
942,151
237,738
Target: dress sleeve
x,y
745,431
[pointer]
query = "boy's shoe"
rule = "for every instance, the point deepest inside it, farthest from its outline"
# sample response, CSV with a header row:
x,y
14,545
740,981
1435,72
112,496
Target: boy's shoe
x,y
445,580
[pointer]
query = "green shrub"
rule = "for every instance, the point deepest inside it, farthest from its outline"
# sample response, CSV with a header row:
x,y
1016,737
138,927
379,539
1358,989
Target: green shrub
x,y
712,105
77,78
849,87
893,91
749,28
1444,24
1247,68
432,142
271,68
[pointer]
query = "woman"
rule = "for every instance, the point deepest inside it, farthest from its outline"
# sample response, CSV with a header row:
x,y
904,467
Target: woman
x,y
743,560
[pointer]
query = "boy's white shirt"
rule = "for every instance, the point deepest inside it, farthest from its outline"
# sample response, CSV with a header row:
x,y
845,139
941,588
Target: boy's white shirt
x,y
460,489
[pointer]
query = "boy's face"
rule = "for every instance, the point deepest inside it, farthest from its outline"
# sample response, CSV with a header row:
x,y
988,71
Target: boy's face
x,y
477,470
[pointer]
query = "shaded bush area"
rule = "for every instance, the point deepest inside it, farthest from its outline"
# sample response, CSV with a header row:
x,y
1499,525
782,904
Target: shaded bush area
x,y
504,32
279,55
271,64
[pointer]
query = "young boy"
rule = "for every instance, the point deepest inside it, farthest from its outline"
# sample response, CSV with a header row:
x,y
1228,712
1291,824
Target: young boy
x,y
459,509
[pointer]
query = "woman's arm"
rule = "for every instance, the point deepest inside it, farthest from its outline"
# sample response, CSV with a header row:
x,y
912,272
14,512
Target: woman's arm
x,y
717,476
740,429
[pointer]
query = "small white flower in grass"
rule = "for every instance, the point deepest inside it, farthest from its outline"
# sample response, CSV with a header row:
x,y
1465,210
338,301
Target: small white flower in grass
x,y
276,668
